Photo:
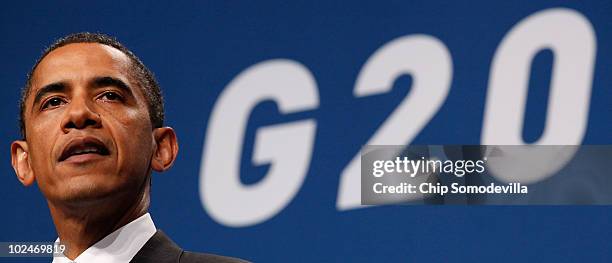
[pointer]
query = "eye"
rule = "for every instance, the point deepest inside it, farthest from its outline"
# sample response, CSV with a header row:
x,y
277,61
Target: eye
x,y
111,96
53,102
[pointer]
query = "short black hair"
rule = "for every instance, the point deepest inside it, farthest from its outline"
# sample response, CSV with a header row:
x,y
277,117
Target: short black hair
x,y
144,77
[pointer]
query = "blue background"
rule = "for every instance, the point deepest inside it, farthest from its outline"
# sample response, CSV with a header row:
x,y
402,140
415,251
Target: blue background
x,y
197,48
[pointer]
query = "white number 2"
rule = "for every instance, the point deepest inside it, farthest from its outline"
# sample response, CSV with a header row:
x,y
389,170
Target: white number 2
x,y
429,62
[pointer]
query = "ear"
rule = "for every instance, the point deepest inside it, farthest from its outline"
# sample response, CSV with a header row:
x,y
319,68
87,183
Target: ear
x,y
166,149
20,160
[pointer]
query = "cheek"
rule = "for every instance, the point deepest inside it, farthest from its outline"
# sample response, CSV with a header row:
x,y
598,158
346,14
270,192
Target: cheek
x,y
39,164
44,122
41,144
42,135
133,136
137,128
42,167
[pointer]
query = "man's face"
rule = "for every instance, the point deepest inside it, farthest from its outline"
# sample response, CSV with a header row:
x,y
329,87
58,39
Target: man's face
x,y
88,130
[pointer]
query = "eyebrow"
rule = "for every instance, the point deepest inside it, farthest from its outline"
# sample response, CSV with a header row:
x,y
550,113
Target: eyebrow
x,y
97,82
50,88
106,81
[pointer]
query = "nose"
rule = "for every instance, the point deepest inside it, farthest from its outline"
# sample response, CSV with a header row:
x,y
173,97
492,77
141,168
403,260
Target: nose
x,y
80,115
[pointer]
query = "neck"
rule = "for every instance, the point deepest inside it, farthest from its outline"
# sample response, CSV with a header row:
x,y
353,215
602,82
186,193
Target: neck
x,y
79,226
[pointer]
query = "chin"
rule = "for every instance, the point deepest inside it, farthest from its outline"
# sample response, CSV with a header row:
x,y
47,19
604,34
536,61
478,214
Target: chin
x,y
83,190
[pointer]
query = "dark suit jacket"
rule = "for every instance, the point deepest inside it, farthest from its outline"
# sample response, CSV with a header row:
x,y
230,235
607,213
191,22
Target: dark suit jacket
x,y
161,249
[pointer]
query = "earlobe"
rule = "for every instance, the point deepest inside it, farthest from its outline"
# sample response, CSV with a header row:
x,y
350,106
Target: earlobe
x,y
20,160
166,150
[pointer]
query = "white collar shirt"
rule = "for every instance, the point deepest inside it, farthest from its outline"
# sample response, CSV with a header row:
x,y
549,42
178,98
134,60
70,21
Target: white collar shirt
x,y
118,247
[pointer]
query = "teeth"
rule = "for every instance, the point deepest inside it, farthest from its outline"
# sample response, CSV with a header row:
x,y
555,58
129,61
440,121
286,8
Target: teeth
x,y
86,150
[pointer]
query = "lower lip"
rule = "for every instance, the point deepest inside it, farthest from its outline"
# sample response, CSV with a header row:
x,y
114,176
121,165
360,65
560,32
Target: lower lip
x,y
83,158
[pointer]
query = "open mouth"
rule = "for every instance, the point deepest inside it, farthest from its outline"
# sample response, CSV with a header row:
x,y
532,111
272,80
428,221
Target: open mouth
x,y
84,146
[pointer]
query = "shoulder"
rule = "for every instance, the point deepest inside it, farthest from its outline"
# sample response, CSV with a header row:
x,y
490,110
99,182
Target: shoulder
x,y
161,249
192,257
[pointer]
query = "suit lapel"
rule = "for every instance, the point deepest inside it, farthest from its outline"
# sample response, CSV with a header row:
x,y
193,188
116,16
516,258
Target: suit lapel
x,y
160,249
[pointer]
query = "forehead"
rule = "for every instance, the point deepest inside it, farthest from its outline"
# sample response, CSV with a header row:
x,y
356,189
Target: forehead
x,y
80,61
